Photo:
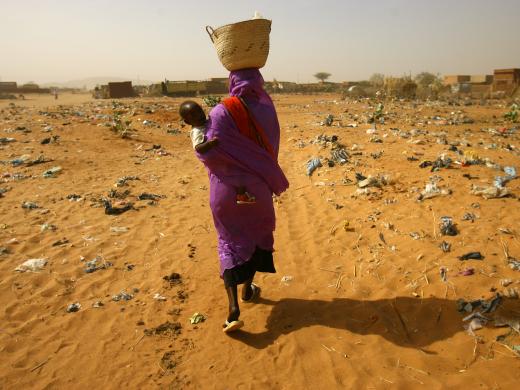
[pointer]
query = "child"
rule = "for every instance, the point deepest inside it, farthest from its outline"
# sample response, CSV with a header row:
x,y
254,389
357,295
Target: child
x,y
193,114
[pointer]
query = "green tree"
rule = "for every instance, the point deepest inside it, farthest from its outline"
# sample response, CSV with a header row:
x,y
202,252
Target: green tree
x,y
322,76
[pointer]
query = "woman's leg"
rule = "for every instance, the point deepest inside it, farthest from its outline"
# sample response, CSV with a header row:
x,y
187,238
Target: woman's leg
x,y
234,310
247,291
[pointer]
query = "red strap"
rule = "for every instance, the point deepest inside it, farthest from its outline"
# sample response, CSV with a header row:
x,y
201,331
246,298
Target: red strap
x,y
247,124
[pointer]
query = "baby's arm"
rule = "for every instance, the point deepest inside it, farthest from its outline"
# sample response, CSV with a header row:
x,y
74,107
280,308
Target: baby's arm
x,y
206,145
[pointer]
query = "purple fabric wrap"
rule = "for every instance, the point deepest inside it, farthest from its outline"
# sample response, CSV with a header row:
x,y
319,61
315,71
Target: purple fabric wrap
x,y
238,161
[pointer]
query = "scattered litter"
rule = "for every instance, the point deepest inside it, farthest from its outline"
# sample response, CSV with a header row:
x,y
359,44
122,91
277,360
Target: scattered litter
x,y
48,226
339,156
375,181
98,304
32,265
74,197
431,191
448,227
29,205
119,229
490,192
469,217
444,274
147,196
92,265
73,307
471,256
159,297
52,172
287,279
122,296
122,181
467,272
514,264
312,165
445,246
197,318
111,210
173,278
505,282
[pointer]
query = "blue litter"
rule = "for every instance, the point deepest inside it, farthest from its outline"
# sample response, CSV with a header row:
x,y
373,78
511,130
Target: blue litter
x,y
312,165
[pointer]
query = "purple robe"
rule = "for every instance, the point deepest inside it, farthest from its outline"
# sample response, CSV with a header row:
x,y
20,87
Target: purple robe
x,y
238,161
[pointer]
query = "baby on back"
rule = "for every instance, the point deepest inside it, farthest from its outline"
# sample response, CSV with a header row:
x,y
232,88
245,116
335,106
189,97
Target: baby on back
x,y
193,114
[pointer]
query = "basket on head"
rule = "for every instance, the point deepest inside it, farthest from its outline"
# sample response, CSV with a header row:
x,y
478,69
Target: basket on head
x,y
242,45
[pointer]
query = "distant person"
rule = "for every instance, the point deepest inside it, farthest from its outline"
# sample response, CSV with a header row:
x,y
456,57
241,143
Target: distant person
x,y
248,133
193,114
55,94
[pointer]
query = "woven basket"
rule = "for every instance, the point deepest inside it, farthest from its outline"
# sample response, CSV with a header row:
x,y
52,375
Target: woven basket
x,y
242,45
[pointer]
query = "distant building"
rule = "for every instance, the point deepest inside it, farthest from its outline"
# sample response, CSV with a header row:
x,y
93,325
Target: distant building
x,y
506,80
469,84
121,89
184,88
456,79
8,86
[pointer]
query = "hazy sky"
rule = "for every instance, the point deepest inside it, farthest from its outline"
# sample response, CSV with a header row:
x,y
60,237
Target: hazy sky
x,y
61,40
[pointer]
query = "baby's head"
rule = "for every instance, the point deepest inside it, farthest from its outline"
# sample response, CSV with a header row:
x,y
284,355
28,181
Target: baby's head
x,y
192,113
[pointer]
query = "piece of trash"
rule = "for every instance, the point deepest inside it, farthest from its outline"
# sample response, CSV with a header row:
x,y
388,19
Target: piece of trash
x,y
328,120
339,156
312,165
287,279
92,265
32,265
431,190
47,226
122,296
514,264
444,274
29,205
467,272
52,172
375,181
448,227
472,256
197,318
98,304
122,181
469,217
505,282
173,278
445,246
4,251
490,192
147,196
347,227
73,307
63,241
74,197
505,230
111,210
159,297
119,229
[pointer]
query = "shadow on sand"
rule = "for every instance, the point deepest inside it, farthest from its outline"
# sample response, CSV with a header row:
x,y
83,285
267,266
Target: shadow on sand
x,y
407,322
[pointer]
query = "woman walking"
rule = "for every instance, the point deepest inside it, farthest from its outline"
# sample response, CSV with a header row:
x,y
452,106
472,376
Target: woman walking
x,y
248,133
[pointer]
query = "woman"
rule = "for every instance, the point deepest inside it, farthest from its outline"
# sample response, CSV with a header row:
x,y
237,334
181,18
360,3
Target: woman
x,y
248,133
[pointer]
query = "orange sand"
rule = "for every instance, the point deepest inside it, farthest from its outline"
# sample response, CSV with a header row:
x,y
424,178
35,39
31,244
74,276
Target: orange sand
x,y
355,314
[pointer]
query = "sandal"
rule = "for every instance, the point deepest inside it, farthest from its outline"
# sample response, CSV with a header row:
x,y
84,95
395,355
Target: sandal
x,y
254,295
232,326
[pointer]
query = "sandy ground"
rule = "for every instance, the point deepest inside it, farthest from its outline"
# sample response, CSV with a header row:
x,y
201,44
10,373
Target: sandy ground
x,y
358,300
